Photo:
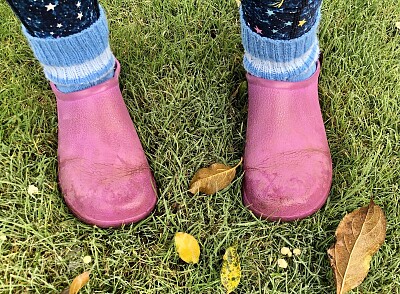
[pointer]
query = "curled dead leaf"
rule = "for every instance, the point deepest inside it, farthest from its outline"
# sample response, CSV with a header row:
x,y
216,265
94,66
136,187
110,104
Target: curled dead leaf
x,y
77,284
230,271
187,247
358,237
212,179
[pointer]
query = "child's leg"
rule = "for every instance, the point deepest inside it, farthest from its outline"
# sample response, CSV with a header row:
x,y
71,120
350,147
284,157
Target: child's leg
x,y
287,162
280,38
55,19
102,169
70,40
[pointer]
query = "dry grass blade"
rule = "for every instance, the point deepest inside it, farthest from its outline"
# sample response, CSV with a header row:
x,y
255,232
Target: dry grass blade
x,y
358,237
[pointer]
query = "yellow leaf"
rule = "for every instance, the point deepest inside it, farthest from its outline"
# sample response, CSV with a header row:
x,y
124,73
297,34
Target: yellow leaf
x,y
77,284
230,272
187,247
211,179
358,237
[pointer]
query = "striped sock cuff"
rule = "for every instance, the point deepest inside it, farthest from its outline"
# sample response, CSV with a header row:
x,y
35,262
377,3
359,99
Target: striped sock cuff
x,y
282,60
77,61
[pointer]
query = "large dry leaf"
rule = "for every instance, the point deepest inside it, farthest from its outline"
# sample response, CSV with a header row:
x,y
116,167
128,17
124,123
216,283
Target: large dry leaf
x,y
77,284
210,180
187,247
358,237
230,271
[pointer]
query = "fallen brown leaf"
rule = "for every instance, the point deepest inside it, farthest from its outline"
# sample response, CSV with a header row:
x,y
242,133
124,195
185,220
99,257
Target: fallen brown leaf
x,y
77,284
358,237
210,180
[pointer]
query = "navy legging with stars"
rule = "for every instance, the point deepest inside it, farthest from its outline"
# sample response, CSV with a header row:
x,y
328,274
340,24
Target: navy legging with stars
x,y
280,19
55,18
275,19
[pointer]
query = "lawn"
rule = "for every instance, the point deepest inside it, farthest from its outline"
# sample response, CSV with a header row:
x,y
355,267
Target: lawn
x,y
181,66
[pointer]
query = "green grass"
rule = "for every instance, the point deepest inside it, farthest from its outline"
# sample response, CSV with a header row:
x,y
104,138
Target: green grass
x,y
181,63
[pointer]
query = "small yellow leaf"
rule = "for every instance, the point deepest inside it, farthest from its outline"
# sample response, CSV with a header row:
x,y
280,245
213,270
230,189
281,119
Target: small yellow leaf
x,y
230,271
77,284
187,247
210,180
3,237
397,24
358,237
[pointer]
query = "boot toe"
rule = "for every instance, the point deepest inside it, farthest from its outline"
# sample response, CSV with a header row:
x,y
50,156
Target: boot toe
x,y
288,186
107,196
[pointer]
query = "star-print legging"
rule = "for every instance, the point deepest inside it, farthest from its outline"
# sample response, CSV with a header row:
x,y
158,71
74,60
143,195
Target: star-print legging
x,y
275,19
55,18
280,19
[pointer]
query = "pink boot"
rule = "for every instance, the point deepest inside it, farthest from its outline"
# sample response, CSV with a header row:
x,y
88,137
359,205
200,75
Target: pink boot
x,y
288,168
103,172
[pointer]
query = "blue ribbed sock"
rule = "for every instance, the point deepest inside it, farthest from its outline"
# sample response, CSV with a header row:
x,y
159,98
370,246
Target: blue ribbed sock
x,y
281,60
78,61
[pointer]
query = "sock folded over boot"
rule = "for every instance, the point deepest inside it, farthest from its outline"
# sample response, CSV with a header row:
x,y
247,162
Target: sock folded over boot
x,y
78,61
280,60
